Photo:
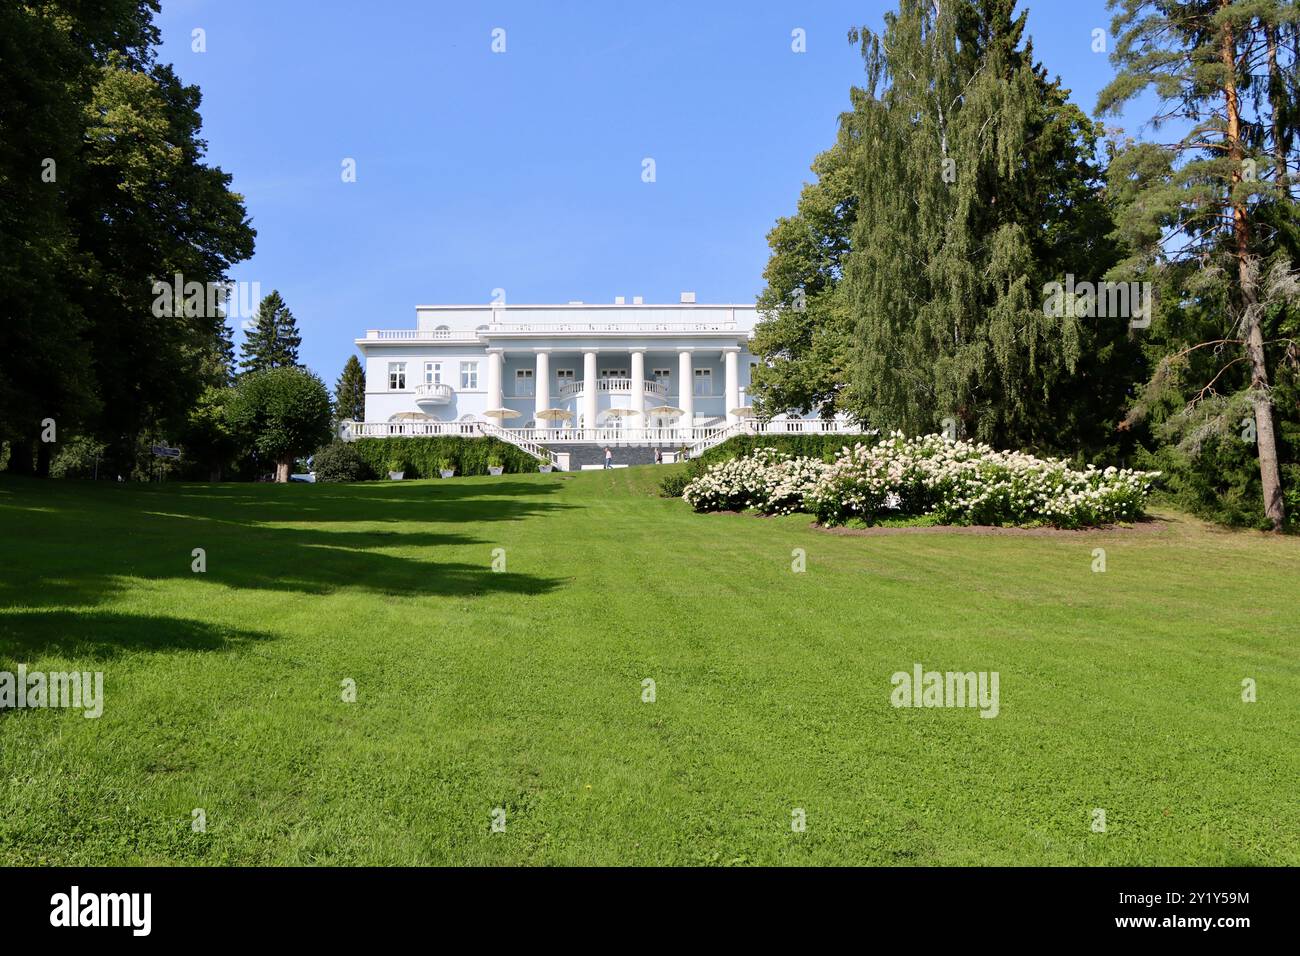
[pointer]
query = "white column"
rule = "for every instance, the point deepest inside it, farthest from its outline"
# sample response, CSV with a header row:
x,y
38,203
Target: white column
x,y
638,389
686,387
731,358
542,386
590,398
495,362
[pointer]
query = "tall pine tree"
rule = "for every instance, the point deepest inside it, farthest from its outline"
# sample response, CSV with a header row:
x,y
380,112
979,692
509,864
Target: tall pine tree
x,y
273,341
1211,218
350,392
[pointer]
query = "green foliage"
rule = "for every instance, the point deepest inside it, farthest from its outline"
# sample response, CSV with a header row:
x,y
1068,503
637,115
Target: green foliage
x,y
674,483
273,341
208,441
340,461
421,456
976,188
77,458
350,392
128,200
282,413
821,447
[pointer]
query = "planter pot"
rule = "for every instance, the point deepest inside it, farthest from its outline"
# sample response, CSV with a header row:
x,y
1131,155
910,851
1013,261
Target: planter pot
x,y
447,472
495,471
397,475
545,469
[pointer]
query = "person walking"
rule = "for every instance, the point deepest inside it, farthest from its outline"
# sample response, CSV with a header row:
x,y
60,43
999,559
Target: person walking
x,y
609,458
659,457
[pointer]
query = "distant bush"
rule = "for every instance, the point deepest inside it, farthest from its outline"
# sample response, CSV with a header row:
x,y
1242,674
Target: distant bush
x,y
340,461
674,483
76,459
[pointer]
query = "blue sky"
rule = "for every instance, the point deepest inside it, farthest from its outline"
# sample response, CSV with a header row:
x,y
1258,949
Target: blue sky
x,y
523,170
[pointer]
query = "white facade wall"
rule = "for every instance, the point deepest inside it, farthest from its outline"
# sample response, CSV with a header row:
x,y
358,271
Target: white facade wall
x,y
457,338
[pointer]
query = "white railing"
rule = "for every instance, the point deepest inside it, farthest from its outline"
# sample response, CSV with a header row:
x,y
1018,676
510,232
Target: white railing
x,y
410,335
517,327
527,444
793,426
650,387
433,394
696,439
407,429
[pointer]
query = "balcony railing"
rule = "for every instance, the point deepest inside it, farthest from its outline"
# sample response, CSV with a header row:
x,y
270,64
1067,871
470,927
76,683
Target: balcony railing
x,y
673,435
433,394
651,387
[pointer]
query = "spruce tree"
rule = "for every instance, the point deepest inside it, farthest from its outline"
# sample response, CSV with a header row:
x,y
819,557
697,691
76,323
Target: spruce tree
x,y
350,392
273,341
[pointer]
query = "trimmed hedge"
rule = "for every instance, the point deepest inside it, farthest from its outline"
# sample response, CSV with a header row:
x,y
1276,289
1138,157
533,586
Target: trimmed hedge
x,y
822,447
421,455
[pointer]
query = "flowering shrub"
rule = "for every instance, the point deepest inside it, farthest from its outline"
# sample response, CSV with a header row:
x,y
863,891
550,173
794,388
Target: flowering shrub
x,y
768,480
955,482
966,483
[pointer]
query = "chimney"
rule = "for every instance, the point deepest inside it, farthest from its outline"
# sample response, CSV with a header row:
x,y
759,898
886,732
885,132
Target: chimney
x,y
688,298
637,300
619,300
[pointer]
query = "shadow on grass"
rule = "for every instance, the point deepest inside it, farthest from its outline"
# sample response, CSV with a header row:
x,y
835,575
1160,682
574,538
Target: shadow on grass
x,y
99,636
73,544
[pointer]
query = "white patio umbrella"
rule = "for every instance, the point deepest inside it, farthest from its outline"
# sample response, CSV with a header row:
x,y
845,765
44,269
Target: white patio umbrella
x,y
502,413
411,417
620,412
744,411
666,411
554,414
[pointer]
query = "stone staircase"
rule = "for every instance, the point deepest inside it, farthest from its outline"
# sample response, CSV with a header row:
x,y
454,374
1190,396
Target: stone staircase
x,y
582,455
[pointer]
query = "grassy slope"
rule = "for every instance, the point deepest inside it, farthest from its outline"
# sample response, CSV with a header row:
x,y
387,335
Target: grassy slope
x,y
523,689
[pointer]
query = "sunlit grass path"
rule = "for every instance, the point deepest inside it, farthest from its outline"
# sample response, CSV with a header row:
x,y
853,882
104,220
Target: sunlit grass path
x,y
523,689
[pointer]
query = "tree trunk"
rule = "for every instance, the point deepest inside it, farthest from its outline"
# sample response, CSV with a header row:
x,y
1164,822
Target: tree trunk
x,y
282,470
21,456
1266,441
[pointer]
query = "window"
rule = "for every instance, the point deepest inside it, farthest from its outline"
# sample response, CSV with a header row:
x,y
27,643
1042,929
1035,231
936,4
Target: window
x,y
432,373
524,382
564,375
664,375
469,374
704,381
397,376
613,373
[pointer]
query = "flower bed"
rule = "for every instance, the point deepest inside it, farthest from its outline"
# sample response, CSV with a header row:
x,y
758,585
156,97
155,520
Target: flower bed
x,y
769,481
955,482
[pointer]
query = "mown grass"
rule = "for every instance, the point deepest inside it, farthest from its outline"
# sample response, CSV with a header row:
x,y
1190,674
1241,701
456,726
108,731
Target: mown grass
x,y
523,689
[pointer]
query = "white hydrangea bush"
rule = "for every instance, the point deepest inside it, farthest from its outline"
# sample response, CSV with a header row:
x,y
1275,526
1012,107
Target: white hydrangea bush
x,y
962,482
768,480
955,482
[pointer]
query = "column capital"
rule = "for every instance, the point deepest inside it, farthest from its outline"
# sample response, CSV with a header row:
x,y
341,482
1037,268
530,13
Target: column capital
x,y
731,348
542,351
635,349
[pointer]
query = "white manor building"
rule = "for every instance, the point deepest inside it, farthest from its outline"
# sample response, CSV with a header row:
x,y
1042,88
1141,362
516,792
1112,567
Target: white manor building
x,y
553,378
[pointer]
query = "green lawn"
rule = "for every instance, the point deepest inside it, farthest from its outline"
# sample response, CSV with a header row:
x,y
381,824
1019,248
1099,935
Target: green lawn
x,y
522,689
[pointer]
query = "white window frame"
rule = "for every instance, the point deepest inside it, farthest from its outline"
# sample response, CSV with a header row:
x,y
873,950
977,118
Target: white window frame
x,y
614,373
432,373
397,376
703,377
469,376
563,375
662,375
524,386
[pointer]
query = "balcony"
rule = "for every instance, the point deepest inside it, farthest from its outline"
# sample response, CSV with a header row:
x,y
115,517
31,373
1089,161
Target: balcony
x,y
616,385
427,396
